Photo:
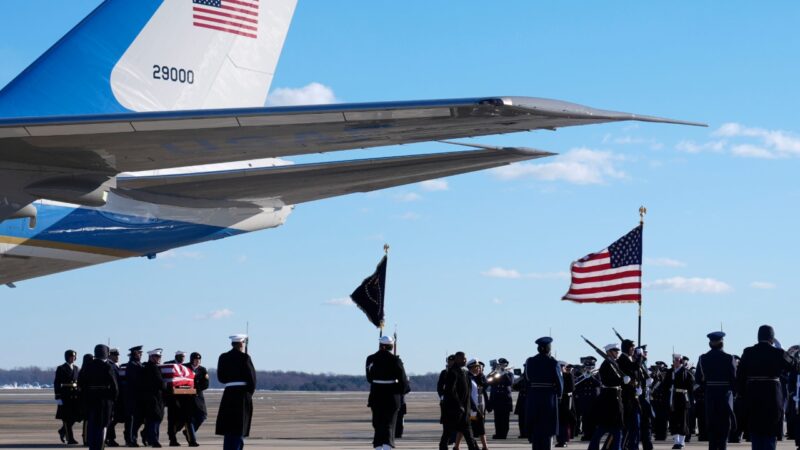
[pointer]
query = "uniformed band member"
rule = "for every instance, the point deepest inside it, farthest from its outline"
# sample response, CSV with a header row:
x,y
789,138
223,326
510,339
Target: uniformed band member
x,y
118,414
456,403
151,397
235,370
500,400
98,387
716,374
608,411
130,395
544,385
387,383
758,380
631,377
587,388
566,407
65,387
660,400
199,412
679,382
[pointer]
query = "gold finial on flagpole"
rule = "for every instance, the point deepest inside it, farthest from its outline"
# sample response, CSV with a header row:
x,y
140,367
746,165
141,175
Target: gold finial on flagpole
x,y
642,212
385,249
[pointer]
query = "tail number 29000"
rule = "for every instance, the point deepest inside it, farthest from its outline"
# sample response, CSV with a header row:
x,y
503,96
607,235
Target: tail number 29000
x,y
174,74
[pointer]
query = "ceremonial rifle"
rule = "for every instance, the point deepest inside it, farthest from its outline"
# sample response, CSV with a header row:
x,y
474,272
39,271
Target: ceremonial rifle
x,y
605,356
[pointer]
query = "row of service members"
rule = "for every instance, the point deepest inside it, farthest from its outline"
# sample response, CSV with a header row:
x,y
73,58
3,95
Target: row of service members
x,y
104,393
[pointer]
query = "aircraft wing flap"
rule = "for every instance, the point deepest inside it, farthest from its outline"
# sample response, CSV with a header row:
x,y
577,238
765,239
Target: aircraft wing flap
x,y
303,183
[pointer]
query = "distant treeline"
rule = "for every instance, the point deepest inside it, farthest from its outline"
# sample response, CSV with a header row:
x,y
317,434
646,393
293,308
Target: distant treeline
x,y
271,380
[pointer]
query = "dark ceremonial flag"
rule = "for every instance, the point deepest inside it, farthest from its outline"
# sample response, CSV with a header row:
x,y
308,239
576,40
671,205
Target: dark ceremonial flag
x,y
612,275
369,295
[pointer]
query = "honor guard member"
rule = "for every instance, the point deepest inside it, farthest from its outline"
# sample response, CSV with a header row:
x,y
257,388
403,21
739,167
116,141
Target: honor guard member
x,y
151,389
758,381
587,388
631,376
65,387
500,400
679,381
645,400
387,383
544,385
98,386
456,403
199,411
716,374
178,406
566,408
608,408
118,413
130,395
235,370
659,400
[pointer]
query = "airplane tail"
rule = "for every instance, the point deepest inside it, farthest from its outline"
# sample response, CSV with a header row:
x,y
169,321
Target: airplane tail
x,y
156,55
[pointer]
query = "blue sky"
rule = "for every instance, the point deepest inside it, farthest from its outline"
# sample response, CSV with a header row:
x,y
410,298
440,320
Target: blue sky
x,y
477,262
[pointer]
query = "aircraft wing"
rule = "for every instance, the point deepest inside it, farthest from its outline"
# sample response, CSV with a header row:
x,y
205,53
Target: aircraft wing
x,y
292,184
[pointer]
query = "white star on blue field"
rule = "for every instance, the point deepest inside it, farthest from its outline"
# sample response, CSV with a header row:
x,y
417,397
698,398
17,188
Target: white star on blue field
x,y
479,262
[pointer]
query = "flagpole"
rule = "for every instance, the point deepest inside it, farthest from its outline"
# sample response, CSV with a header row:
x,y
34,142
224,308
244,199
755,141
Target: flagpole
x,y
642,212
385,254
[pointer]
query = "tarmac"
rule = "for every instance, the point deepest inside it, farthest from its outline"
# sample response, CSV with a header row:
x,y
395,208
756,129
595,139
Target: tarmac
x,y
281,420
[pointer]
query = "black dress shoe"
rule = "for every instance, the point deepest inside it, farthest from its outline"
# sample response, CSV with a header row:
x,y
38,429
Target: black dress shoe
x,y
194,444
677,446
111,443
174,444
155,445
62,435
72,442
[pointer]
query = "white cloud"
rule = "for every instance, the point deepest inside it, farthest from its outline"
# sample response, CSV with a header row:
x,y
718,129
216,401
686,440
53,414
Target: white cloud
x,y
664,262
215,315
409,216
310,94
762,285
633,140
748,142
693,147
752,151
694,285
343,301
499,272
578,166
181,254
408,197
434,185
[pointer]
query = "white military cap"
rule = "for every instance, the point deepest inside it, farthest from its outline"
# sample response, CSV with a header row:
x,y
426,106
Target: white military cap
x,y
155,351
610,347
386,340
238,338
472,362
180,352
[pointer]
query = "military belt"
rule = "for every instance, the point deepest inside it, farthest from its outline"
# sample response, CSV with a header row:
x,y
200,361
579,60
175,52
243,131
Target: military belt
x,y
69,385
717,383
616,388
681,391
540,385
235,383
762,379
384,381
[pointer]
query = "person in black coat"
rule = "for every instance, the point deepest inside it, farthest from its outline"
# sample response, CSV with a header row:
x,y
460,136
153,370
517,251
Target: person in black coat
x,y
440,387
679,381
65,388
178,407
235,370
631,388
130,376
716,374
608,410
500,400
544,386
388,382
151,397
118,414
587,388
659,400
456,404
199,410
98,386
566,407
758,381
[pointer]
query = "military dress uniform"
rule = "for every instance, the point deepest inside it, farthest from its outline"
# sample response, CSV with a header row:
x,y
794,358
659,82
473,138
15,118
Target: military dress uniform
x,y
99,389
758,380
587,388
630,398
501,402
716,374
659,401
235,370
151,398
456,405
680,382
608,412
118,415
130,395
388,382
566,410
65,388
199,410
544,386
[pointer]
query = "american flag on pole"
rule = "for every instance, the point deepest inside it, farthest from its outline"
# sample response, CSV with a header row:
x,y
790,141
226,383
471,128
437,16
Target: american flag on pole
x,y
612,275
229,16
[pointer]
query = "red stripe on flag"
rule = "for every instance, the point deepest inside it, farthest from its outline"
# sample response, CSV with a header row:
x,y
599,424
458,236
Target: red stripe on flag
x,y
240,10
594,257
225,22
609,277
611,299
227,30
220,13
591,269
612,288
251,5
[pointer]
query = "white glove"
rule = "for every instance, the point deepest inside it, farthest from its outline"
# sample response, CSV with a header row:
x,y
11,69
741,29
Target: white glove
x,y
626,379
638,391
649,382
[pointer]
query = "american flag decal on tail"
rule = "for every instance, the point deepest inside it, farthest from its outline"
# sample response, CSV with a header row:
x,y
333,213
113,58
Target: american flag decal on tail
x,y
238,17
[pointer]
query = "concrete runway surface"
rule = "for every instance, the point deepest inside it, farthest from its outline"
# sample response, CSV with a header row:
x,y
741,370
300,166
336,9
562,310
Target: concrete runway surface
x,y
282,420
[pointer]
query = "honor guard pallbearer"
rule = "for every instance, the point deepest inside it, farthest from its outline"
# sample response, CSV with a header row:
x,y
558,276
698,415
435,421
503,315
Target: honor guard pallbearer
x,y
130,395
235,370
151,397
98,387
